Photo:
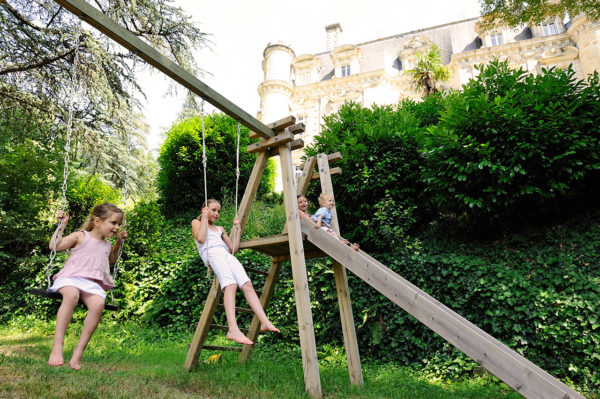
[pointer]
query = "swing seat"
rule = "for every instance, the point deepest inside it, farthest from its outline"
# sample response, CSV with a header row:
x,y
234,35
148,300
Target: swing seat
x,y
57,295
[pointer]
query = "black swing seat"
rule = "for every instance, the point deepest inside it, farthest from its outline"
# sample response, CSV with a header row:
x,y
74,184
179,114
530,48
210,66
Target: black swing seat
x,y
56,295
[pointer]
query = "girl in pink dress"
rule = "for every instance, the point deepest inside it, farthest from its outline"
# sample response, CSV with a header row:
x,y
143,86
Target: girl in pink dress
x,y
85,276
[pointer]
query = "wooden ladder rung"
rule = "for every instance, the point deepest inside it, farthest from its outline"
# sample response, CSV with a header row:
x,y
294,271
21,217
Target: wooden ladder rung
x,y
242,310
222,348
225,328
253,270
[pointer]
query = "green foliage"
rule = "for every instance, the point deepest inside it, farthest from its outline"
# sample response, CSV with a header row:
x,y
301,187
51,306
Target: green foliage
x,y
516,13
30,154
83,194
429,71
382,165
38,39
145,223
538,292
512,145
429,109
181,180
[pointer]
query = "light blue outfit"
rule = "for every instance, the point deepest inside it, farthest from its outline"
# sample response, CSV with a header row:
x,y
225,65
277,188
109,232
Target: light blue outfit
x,y
327,216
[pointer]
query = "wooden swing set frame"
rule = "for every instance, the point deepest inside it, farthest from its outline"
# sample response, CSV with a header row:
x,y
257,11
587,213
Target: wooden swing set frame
x,y
300,240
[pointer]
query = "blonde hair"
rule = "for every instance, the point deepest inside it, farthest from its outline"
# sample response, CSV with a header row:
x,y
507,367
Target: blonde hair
x,y
207,203
102,212
324,197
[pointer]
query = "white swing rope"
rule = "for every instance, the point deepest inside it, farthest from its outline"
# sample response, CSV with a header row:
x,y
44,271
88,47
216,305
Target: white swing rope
x,y
130,127
237,178
58,232
207,263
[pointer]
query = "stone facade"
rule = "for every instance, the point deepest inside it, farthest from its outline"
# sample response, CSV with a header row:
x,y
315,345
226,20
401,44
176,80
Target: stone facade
x,y
310,86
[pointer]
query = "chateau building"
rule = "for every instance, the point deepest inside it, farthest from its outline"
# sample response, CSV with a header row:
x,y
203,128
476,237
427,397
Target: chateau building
x,y
310,86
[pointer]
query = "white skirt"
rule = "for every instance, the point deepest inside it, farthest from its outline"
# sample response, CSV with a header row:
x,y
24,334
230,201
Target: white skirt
x,y
82,284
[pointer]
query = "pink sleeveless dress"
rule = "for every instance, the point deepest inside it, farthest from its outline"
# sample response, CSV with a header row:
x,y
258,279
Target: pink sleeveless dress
x,y
89,260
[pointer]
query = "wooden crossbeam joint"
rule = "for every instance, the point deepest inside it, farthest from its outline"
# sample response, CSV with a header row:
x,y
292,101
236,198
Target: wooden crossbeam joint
x,y
276,141
336,156
294,145
332,171
276,126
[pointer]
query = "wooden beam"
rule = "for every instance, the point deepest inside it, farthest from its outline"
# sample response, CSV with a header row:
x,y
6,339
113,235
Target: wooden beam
x,y
125,38
516,371
265,298
249,194
336,156
307,172
203,325
297,128
277,126
312,379
332,172
304,181
294,145
341,284
266,144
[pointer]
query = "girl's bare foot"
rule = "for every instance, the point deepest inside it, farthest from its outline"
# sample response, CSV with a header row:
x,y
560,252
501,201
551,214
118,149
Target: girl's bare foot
x,y
56,359
355,247
75,362
268,326
238,337
75,365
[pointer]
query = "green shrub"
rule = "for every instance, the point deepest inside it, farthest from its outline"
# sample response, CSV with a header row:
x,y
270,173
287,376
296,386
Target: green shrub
x,y
84,192
537,292
181,179
145,224
381,164
512,145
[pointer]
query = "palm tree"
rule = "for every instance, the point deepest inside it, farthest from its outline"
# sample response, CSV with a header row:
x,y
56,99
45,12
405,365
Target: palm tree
x,y
429,70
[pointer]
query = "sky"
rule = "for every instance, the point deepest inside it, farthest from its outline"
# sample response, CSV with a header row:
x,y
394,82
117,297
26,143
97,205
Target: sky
x,y
240,30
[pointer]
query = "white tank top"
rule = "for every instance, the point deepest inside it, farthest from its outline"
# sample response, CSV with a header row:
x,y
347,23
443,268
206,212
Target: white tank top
x,y
213,239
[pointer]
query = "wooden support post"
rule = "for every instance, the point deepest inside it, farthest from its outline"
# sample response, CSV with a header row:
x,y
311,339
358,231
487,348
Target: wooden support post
x,y
341,283
203,325
249,194
304,181
265,298
312,380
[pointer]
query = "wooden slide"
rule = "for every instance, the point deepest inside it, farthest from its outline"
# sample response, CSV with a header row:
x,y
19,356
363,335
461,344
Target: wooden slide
x,y
516,371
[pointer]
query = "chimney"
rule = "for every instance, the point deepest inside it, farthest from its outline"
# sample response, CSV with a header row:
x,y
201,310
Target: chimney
x,y
333,35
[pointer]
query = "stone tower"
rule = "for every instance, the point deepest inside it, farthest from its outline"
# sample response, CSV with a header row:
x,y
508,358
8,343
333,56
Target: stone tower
x,y
276,89
586,35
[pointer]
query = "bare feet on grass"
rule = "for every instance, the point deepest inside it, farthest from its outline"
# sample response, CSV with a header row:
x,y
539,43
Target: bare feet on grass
x,y
238,337
75,362
268,326
56,358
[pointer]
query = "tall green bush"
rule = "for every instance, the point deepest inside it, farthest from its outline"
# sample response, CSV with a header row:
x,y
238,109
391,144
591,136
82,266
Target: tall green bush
x,y
30,163
381,185
513,145
181,180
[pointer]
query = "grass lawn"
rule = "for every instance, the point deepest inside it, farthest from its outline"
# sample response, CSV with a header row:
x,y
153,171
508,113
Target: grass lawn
x,y
130,361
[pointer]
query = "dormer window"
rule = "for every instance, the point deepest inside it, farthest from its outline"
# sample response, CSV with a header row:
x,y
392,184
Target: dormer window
x,y
304,78
346,70
497,39
550,29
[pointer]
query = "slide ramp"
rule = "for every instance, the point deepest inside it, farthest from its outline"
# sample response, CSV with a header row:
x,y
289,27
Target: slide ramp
x,y
516,371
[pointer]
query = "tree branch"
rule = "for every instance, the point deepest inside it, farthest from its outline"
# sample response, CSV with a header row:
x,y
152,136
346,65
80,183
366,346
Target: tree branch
x,y
43,62
20,17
